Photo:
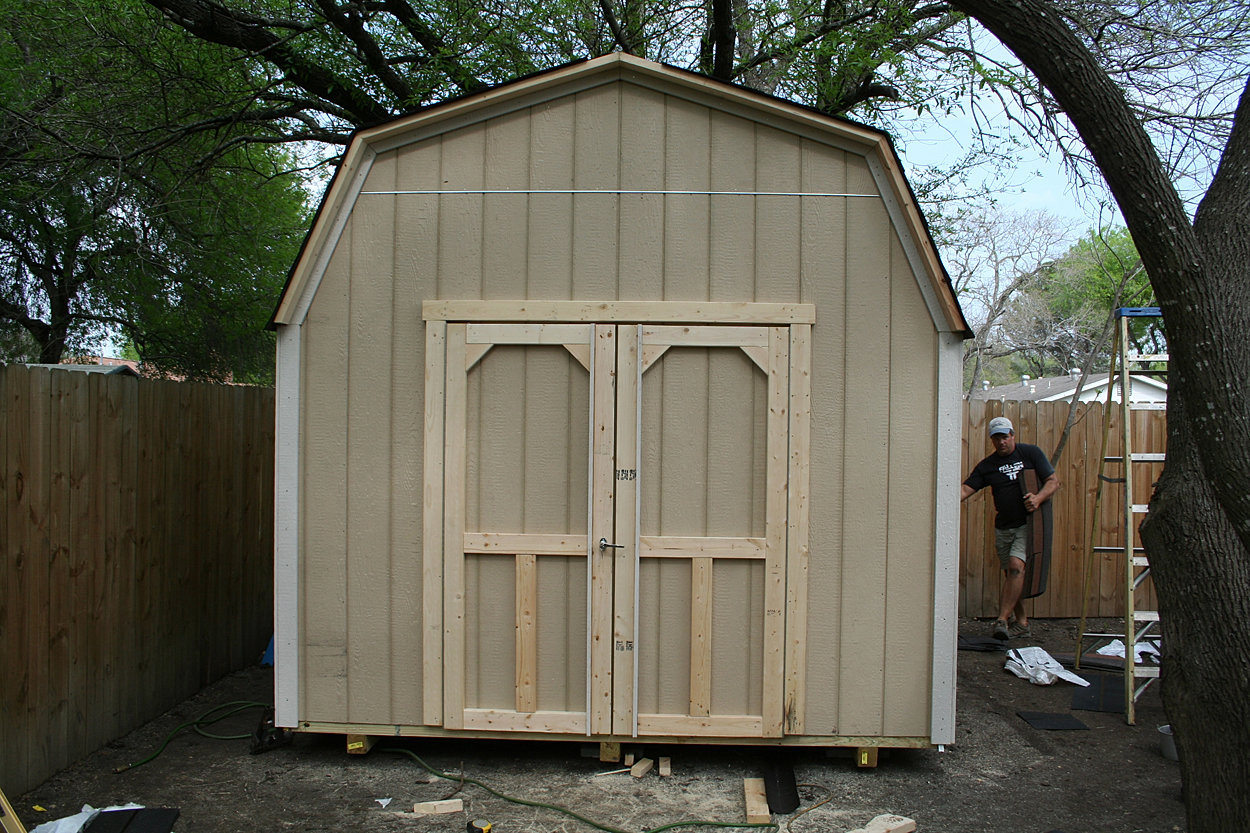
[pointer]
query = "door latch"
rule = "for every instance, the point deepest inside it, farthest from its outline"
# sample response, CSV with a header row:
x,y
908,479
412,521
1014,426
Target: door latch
x,y
603,545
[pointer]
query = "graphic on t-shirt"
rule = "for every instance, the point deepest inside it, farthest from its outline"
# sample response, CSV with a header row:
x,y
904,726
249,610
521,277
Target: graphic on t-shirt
x,y
1012,469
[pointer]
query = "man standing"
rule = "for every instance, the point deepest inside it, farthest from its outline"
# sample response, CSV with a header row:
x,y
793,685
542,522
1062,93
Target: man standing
x,y
1002,472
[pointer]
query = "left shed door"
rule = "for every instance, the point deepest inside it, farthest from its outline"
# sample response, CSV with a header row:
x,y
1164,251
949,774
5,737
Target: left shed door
x,y
527,475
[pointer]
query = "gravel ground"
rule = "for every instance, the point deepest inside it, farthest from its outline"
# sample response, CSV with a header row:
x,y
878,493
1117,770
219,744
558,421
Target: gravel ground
x,y
1001,775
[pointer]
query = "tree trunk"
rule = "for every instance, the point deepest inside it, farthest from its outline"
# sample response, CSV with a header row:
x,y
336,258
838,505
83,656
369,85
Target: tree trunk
x,y
1198,532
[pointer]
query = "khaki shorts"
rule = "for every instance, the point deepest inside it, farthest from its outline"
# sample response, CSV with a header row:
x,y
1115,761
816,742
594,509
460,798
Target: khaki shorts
x,y
1010,544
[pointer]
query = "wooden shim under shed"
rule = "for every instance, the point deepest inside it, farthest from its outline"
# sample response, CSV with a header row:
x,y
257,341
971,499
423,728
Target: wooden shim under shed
x,y
866,756
666,767
641,768
756,801
447,805
360,744
609,752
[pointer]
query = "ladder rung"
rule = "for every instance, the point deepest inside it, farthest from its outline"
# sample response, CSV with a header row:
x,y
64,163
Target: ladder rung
x,y
1140,560
1145,616
1117,549
1141,508
1137,692
1146,671
1147,406
1147,357
1149,457
1113,459
1105,635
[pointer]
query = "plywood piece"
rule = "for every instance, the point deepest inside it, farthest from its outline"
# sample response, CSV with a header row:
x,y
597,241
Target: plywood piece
x,y
756,801
676,546
526,633
798,547
602,509
432,525
700,636
453,531
510,543
446,805
691,312
625,532
777,499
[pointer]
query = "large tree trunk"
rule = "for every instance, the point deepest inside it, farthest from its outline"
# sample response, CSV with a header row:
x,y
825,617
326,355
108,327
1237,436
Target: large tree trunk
x,y
1198,533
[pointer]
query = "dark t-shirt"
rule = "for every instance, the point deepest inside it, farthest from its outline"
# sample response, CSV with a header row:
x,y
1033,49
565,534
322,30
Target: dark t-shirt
x,y
1002,475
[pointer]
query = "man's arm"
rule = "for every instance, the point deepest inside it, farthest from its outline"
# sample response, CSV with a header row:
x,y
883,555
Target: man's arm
x,y
965,492
1032,501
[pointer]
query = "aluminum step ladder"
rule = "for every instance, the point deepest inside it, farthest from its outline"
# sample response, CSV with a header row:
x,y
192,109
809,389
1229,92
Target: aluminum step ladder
x,y
1140,625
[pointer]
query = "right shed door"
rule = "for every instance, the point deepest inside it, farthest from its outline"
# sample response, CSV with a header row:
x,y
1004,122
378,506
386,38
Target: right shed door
x,y
702,450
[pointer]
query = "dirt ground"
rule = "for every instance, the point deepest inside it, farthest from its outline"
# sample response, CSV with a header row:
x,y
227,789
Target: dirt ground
x,y
1001,775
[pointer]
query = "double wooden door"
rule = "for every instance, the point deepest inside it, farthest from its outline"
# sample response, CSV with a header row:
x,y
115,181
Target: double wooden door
x,y
614,525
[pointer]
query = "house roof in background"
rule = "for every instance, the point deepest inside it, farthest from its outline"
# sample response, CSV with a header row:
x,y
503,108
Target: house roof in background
x,y
1055,388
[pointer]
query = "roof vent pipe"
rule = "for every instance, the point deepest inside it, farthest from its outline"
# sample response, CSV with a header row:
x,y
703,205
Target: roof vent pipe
x,y
985,384
1024,381
1075,373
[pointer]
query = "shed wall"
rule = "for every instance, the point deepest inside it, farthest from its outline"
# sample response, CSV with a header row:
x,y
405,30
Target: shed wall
x,y
873,372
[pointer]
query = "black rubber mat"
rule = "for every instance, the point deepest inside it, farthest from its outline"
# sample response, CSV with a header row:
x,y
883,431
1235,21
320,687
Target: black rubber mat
x,y
1051,721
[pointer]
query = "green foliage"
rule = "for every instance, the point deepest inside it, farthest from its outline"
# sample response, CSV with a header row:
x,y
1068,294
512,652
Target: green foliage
x,y
138,205
1062,320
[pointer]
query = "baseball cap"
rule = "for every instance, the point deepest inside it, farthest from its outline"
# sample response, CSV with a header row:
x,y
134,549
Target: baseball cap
x,y
1000,425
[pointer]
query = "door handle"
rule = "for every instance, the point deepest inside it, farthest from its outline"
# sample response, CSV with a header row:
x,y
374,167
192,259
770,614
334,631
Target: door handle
x,y
603,545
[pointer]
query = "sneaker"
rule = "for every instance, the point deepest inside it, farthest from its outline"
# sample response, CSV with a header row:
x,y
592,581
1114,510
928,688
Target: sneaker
x,y
1018,631
1000,630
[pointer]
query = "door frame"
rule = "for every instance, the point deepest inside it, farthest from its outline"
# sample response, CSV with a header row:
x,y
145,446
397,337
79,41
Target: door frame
x,y
789,352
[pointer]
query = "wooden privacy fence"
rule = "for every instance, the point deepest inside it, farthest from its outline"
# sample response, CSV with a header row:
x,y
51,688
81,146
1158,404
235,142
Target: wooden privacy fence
x,y
137,532
1041,423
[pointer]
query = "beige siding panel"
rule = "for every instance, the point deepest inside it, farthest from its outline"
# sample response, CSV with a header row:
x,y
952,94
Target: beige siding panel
x,y
865,450
778,220
462,166
687,137
731,246
913,461
736,455
527,473
823,279
737,636
642,242
323,510
596,166
504,221
490,632
550,251
368,379
416,250
562,633
664,641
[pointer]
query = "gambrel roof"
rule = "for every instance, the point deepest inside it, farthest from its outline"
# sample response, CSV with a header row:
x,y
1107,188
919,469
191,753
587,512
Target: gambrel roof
x,y
870,144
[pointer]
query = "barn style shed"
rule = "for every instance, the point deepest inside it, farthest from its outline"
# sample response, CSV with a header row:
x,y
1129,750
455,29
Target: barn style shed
x,y
617,402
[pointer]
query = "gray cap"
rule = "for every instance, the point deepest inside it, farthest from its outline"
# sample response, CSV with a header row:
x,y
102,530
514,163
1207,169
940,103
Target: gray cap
x,y
1000,425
